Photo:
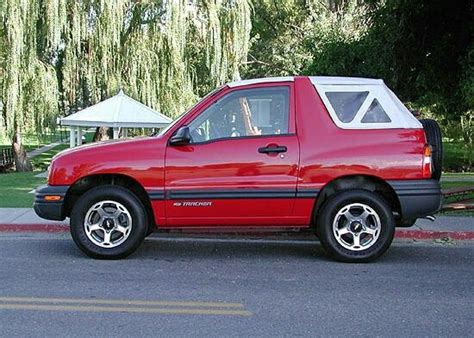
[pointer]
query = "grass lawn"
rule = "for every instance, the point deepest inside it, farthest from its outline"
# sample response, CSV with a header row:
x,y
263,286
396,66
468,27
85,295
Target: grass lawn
x,y
28,147
457,157
15,187
466,174
446,185
41,162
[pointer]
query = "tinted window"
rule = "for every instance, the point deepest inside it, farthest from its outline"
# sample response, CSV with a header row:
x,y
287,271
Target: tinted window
x,y
249,112
376,114
346,104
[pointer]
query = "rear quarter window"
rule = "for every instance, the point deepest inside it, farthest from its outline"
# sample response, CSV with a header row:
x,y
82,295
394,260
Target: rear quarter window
x,y
364,106
376,114
346,104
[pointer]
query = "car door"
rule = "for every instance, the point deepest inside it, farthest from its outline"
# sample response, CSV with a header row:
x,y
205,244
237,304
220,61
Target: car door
x,y
240,167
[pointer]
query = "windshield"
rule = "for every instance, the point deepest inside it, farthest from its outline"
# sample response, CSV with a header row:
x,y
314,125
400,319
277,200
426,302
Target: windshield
x,y
168,127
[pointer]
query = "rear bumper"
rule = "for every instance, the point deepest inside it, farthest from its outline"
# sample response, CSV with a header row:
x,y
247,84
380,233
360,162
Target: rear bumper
x,y
418,198
52,210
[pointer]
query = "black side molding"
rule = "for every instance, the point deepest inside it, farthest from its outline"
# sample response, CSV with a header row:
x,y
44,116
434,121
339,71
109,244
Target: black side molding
x,y
231,194
307,193
156,194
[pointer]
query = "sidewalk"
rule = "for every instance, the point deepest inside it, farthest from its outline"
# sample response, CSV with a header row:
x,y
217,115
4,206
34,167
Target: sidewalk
x,y
454,227
41,150
26,220
458,228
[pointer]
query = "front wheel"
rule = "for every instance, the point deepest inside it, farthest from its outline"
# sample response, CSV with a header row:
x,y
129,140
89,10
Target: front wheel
x,y
356,226
108,222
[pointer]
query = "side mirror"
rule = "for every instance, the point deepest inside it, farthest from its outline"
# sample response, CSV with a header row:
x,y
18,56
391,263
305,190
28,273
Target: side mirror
x,y
181,137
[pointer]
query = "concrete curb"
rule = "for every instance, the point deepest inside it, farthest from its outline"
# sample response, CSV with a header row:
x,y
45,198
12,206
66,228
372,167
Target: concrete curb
x,y
34,228
432,235
399,233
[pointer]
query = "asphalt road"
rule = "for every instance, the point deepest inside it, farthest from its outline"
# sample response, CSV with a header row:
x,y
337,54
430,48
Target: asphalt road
x,y
190,287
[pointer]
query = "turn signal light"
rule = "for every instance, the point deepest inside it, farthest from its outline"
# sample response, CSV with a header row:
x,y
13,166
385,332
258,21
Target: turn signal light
x,y
52,198
427,169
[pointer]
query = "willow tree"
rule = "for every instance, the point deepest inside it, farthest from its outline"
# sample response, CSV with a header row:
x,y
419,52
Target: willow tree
x,y
28,86
63,55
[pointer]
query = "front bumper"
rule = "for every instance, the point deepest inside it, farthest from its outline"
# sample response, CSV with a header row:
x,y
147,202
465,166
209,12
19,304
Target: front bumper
x,y
50,209
418,198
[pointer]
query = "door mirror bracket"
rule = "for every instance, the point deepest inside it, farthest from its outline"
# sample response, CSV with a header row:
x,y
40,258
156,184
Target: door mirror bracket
x,y
181,137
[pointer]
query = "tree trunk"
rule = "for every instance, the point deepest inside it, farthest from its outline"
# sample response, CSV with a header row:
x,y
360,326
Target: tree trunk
x,y
22,163
101,134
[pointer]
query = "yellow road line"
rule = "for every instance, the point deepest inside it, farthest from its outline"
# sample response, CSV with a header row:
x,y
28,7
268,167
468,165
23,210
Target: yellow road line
x,y
120,302
73,308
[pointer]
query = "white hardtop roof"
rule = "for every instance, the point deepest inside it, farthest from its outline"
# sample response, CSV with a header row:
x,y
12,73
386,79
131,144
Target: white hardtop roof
x,y
323,80
260,80
376,93
340,80
117,111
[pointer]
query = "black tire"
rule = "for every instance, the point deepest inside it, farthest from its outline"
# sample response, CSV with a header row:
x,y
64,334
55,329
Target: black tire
x,y
129,201
337,202
433,137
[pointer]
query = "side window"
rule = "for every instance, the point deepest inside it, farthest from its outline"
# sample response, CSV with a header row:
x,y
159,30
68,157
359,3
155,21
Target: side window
x,y
376,114
346,104
362,104
247,112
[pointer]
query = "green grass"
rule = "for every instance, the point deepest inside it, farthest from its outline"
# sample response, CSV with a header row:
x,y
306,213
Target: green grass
x,y
28,147
15,187
446,185
42,161
457,157
89,135
466,174
34,141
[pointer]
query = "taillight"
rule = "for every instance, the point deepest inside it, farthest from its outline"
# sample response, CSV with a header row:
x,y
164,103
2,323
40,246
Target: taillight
x,y
427,168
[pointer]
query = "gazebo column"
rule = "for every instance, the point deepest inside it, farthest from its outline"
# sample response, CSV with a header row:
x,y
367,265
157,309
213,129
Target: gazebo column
x,y
116,133
79,136
72,137
124,132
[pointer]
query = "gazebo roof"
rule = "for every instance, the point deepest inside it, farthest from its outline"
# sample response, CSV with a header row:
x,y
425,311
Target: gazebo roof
x,y
117,111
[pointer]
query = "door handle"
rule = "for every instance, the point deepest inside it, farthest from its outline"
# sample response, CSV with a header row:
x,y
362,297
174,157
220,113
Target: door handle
x,y
272,149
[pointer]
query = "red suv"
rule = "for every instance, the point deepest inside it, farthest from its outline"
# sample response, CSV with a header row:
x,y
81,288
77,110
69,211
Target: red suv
x,y
341,156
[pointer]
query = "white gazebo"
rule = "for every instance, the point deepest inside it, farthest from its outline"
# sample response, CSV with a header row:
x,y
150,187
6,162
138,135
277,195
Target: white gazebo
x,y
119,111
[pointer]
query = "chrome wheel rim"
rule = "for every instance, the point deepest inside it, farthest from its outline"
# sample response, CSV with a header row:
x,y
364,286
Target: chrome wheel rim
x,y
108,224
356,227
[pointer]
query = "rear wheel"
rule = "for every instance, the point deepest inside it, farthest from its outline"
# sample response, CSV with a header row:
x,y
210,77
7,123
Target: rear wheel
x,y
433,137
108,222
355,226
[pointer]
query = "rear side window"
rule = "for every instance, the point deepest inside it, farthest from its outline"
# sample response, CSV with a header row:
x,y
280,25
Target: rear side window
x,y
355,103
346,104
376,114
